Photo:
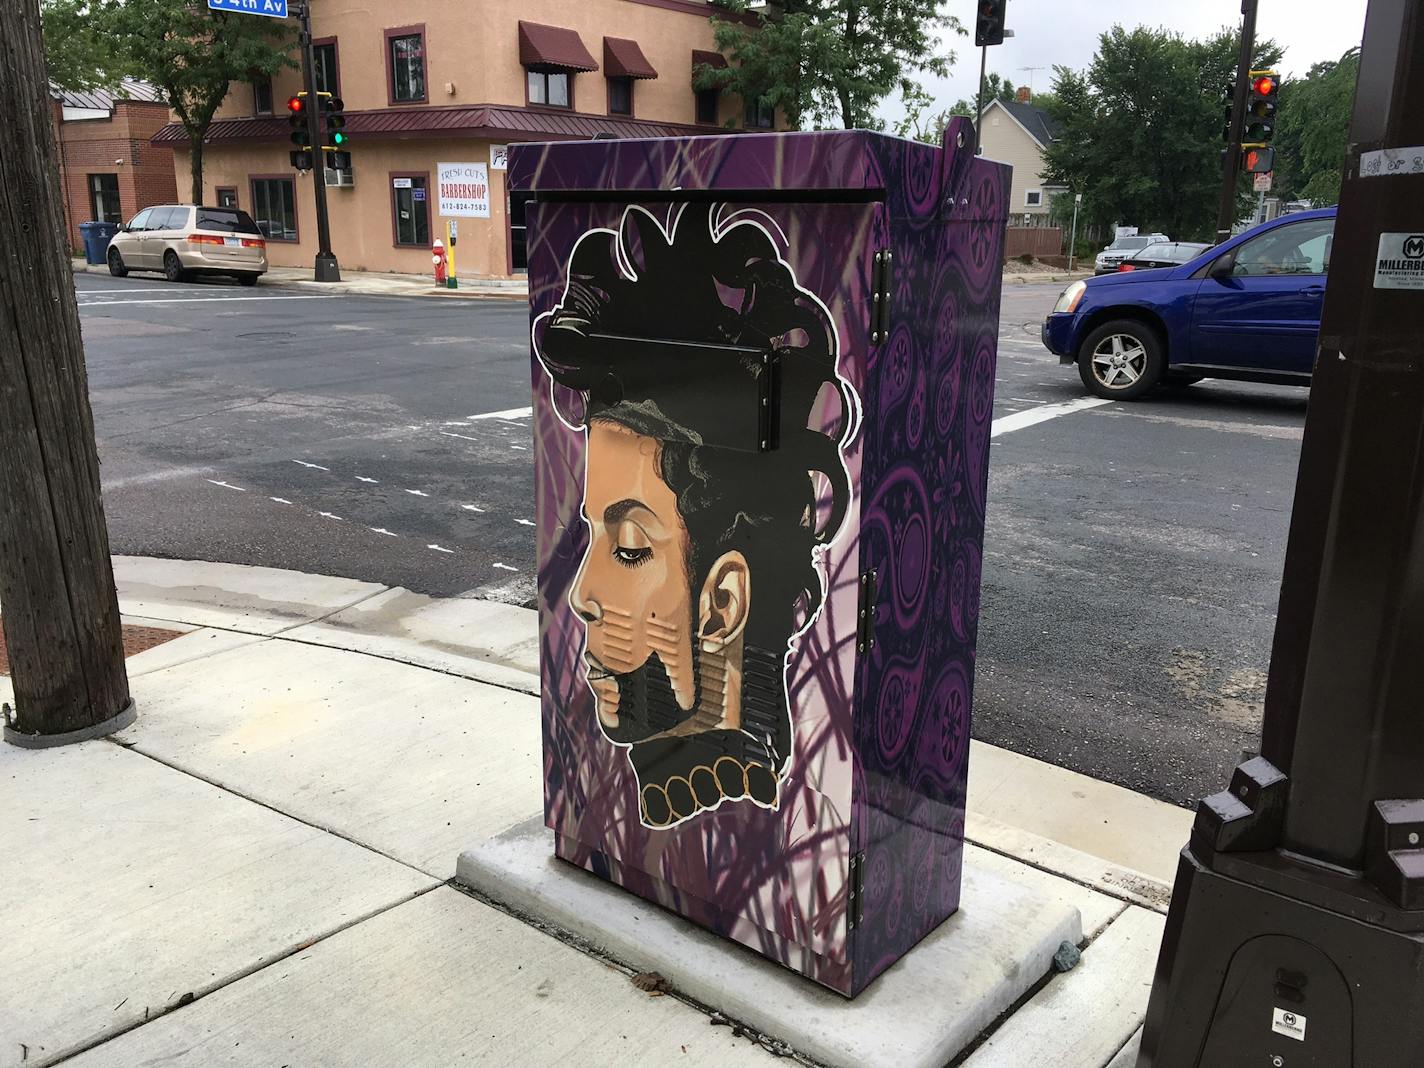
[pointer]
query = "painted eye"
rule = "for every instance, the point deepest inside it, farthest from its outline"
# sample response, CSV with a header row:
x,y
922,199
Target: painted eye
x,y
630,557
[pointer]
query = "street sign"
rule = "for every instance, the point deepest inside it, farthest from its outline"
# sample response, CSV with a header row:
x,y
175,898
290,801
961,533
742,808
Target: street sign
x,y
1262,183
276,9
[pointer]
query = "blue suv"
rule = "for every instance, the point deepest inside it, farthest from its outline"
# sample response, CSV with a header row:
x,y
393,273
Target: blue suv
x,y
1247,309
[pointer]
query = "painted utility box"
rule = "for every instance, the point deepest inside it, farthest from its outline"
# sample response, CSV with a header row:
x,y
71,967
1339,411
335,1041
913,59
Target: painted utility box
x,y
763,374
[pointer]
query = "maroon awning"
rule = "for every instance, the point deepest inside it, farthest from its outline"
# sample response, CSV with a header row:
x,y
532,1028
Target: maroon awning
x,y
624,59
715,60
552,46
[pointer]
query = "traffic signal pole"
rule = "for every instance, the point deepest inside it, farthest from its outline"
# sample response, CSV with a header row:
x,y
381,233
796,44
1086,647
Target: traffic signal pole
x,y
326,269
1296,931
1226,214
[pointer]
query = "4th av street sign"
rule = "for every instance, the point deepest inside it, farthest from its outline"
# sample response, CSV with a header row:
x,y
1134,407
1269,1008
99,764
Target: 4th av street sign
x,y
276,9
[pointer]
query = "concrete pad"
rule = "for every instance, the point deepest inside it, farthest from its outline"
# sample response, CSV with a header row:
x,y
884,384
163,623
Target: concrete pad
x,y
1083,1018
409,762
256,600
919,1014
485,640
1127,1056
193,645
1095,910
437,981
1098,818
129,887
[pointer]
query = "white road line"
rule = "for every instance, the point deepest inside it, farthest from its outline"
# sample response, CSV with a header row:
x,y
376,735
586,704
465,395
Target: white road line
x,y
440,549
279,500
521,448
153,476
1019,420
508,413
418,493
328,515
506,567
384,531
525,522
314,467
371,481
225,485
82,293
462,437
472,508
208,300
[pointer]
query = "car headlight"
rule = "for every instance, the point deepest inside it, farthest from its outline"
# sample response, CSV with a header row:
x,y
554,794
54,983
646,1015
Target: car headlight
x,y
1068,300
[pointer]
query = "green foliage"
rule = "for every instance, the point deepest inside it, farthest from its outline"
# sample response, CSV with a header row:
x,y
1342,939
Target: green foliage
x,y
1312,129
191,53
76,52
1141,129
996,87
830,61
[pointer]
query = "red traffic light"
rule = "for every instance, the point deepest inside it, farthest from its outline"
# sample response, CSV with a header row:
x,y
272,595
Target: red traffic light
x,y
1265,85
296,105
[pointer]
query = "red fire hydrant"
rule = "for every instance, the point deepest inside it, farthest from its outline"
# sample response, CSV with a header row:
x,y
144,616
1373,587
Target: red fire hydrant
x,y
439,260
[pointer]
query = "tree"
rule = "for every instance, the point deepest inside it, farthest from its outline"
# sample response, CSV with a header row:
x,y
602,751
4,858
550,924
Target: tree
x,y
996,87
191,53
1141,129
829,60
77,56
1312,128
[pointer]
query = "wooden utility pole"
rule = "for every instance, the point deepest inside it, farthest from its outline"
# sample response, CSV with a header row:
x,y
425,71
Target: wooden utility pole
x,y
57,599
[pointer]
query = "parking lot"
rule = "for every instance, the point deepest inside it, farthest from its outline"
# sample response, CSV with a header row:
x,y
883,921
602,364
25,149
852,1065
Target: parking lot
x,y
1132,559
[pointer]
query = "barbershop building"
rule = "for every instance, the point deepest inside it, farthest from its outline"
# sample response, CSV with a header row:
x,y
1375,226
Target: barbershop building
x,y
434,94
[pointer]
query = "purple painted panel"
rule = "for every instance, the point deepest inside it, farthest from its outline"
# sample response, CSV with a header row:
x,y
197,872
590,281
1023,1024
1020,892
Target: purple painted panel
x,y
703,745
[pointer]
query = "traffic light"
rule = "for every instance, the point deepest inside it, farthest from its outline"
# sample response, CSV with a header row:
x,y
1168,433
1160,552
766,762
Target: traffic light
x,y
989,29
301,156
1260,122
334,133
1257,160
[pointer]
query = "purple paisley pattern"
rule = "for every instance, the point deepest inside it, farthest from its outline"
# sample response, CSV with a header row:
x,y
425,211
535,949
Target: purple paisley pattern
x,y
880,742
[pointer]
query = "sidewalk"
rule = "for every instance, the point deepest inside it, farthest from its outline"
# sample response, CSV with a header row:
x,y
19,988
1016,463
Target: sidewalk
x,y
375,284
258,871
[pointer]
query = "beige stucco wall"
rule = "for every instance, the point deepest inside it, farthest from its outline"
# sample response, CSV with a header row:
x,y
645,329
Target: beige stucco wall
x,y
1004,140
361,217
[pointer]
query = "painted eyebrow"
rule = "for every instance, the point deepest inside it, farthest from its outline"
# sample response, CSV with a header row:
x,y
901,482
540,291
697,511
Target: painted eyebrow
x,y
618,511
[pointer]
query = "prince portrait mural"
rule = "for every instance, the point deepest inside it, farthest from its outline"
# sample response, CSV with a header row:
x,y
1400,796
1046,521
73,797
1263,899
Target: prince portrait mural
x,y
706,517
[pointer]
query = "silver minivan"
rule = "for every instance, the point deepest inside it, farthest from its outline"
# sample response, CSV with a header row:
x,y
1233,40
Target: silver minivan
x,y
184,240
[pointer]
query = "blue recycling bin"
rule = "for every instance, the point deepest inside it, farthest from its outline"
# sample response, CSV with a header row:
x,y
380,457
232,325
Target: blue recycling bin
x,y
97,236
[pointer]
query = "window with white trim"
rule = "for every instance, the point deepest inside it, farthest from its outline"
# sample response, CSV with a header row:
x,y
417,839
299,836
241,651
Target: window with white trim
x,y
1033,198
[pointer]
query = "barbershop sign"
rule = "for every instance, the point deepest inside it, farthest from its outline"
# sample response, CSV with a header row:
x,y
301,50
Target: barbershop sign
x,y
464,190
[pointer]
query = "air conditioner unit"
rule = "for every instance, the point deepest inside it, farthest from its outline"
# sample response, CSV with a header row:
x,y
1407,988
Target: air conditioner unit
x,y
340,179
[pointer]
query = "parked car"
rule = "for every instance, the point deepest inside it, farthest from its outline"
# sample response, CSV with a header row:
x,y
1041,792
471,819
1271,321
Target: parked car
x,y
1246,309
183,240
1163,254
1123,247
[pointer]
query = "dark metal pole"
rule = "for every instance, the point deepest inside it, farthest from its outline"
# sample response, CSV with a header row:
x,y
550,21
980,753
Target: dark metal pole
x,y
979,99
1296,932
1226,214
327,269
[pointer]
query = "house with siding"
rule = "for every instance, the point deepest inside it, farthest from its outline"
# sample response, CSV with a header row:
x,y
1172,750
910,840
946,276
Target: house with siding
x,y
1018,133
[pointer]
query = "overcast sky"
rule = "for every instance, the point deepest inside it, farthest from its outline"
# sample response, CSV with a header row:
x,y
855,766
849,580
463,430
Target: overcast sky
x,y
1065,32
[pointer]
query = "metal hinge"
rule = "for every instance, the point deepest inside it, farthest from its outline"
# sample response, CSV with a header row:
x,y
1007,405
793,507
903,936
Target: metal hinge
x,y
855,898
865,613
881,276
769,402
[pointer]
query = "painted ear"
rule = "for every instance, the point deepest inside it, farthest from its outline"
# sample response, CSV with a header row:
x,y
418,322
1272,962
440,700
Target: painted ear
x,y
724,602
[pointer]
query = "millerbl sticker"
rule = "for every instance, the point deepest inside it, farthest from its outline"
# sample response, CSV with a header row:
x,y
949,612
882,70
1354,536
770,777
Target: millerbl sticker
x,y
1290,1024
1400,262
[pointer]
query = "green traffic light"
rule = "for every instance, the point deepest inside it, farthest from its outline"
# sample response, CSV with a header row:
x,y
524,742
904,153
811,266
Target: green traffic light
x,y
338,138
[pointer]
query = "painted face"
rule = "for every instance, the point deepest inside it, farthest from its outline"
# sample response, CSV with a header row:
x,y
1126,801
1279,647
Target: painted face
x,y
632,589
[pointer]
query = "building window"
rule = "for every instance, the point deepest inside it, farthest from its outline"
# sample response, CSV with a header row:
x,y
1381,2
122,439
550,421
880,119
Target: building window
x,y
262,96
274,207
760,114
227,196
328,78
1033,198
551,88
412,209
104,198
620,96
707,100
405,59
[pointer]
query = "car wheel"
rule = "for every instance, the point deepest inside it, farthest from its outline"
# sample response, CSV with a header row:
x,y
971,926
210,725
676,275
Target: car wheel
x,y
173,267
116,264
248,279
1122,360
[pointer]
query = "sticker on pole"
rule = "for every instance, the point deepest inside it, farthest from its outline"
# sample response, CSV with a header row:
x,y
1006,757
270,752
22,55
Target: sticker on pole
x,y
1261,183
1400,264
276,9
1285,1022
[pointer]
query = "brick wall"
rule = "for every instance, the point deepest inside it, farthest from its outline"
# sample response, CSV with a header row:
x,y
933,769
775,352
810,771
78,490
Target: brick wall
x,y
92,146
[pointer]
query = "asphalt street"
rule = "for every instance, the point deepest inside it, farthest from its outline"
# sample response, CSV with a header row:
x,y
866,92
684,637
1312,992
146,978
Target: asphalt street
x,y
1132,559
